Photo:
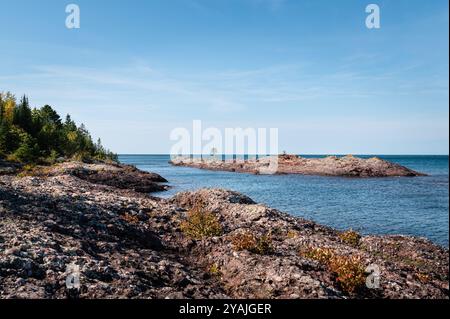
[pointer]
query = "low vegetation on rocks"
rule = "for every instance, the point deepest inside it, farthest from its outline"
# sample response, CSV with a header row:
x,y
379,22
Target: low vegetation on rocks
x,y
201,223
126,243
322,255
214,270
129,218
261,245
350,237
349,270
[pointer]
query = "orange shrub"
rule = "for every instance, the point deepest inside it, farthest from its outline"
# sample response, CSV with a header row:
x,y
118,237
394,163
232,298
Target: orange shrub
x,y
349,270
261,245
132,219
322,255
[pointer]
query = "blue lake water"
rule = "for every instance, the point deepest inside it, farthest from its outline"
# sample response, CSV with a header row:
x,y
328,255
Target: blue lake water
x,y
416,206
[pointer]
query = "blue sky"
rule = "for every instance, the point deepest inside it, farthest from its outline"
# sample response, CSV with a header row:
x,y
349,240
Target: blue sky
x,y
137,69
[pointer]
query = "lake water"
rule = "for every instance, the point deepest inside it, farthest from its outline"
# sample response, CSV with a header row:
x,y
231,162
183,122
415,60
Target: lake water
x,y
413,206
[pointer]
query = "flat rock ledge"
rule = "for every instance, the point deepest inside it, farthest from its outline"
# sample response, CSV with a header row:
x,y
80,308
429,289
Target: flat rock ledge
x,y
347,166
111,174
129,244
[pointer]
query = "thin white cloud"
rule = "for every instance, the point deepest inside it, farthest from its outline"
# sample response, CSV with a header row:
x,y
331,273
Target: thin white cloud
x,y
226,91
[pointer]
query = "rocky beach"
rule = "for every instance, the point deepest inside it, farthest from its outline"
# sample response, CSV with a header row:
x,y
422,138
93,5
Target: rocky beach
x,y
349,166
102,220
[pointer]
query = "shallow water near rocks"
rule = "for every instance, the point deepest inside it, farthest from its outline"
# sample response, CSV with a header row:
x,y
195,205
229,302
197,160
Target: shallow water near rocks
x,y
416,206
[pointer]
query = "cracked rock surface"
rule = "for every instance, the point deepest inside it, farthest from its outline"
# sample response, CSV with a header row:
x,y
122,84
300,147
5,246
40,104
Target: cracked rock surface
x,y
126,243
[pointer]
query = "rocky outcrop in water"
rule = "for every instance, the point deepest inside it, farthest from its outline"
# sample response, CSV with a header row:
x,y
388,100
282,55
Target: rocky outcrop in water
x,y
128,244
348,166
121,176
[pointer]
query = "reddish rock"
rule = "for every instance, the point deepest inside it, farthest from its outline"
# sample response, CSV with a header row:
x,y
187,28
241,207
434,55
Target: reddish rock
x,y
348,166
127,244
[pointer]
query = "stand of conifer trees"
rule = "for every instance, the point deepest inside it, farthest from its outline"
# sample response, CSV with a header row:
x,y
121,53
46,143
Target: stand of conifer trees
x,y
39,135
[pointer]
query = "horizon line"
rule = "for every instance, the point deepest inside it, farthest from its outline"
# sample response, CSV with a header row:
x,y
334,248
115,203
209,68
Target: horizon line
x,y
299,154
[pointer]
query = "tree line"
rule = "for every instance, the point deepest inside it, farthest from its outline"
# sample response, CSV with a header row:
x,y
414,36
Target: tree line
x,y
39,135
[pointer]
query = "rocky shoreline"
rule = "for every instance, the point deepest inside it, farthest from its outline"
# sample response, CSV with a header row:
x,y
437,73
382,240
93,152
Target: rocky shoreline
x,y
129,244
347,166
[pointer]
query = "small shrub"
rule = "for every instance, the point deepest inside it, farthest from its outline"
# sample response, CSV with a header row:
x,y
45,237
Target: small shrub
x,y
264,245
350,237
28,167
12,158
51,159
35,170
200,224
261,245
292,234
132,219
243,241
277,231
27,170
214,270
322,255
82,156
423,278
350,272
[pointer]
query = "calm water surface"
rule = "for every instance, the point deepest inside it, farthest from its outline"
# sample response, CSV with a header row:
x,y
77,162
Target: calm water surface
x,y
413,206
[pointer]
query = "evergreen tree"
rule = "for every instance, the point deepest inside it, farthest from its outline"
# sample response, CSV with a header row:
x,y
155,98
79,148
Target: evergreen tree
x,y
28,151
39,135
22,115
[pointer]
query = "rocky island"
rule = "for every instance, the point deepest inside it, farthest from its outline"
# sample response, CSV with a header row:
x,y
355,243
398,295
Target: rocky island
x,y
100,220
348,166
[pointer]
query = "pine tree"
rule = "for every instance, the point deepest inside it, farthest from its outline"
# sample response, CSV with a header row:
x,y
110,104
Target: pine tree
x,y
39,135
22,115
